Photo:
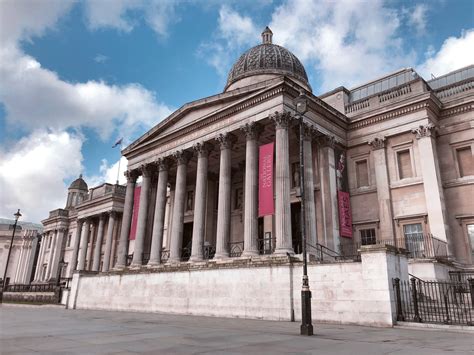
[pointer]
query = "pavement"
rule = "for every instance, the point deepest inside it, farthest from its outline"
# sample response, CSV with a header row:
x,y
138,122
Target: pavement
x,y
55,330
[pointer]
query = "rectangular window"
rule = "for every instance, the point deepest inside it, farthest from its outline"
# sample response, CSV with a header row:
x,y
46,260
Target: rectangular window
x,y
190,201
367,236
362,173
465,161
470,233
404,164
295,175
414,239
49,242
69,240
238,198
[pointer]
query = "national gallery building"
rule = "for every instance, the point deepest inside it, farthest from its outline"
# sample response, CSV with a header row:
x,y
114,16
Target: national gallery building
x,y
388,179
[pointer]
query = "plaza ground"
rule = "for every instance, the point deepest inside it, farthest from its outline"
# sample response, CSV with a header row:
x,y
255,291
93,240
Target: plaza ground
x,y
54,330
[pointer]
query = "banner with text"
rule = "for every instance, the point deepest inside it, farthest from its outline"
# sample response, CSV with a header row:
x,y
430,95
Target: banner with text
x,y
345,216
266,204
136,206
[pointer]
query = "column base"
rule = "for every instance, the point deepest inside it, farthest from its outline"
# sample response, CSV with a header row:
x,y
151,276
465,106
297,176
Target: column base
x,y
119,268
196,258
135,266
221,256
153,264
284,251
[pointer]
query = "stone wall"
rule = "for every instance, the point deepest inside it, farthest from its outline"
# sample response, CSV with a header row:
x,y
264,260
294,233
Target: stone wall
x,y
262,288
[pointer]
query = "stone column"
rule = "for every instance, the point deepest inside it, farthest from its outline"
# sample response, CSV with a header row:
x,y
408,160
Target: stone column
x,y
159,217
177,223
433,187
98,244
39,262
91,247
57,253
224,199
251,131
51,254
75,250
200,200
282,185
16,278
329,193
81,264
108,241
383,189
142,217
126,220
310,206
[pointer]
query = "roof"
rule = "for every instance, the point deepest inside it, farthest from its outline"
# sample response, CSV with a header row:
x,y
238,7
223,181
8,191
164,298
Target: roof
x,y
79,184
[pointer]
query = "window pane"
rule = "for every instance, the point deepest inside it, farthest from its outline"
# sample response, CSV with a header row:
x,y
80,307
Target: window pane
x,y
404,164
367,236
465,161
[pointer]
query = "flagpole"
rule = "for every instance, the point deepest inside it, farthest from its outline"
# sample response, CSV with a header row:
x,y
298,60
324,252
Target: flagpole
x,y
120,159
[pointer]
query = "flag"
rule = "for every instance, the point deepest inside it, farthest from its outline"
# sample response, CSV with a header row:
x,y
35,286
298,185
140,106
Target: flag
x,y
118,142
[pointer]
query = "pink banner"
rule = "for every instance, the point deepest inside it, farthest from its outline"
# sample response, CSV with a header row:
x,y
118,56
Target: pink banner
x,y
136,206
266,204
345,215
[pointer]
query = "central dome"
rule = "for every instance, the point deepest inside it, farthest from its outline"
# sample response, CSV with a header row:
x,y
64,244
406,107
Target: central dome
x,y
267,59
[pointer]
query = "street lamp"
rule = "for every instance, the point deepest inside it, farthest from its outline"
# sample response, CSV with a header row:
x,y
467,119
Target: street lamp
x,y
301,103
17,216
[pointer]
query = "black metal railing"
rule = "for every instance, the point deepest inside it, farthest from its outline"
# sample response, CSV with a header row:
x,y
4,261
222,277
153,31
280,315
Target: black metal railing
x,y
186,252
424,246
51,287
461,276
208,252
266,245
129,259
325,254
434,301
64,282
236,249
165,255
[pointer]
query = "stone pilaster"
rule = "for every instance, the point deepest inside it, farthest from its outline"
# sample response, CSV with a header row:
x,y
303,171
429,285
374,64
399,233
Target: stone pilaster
x,y
310,206
51,254
200,200
329,192
90,248
81,264
98,244
226,141
383,189
433,187
282,185
75,250
126,220
251,131
108,241
142,216
58,250
39,263
160,209
177,223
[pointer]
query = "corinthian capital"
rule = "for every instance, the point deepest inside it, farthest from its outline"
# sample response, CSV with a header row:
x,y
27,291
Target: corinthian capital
x,y
281,120
327,141
131,176
145,170
163,164
424,130
202,149
226,140
377,143
181,157
251,130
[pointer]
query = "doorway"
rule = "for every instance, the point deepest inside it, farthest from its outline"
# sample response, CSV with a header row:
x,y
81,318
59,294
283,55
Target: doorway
x,y
296,227
187,241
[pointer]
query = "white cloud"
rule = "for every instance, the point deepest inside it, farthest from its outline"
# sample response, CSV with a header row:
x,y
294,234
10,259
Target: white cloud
x,y
124,15
100,58
417,18
33,170
455,53
348,42
109,173
234,33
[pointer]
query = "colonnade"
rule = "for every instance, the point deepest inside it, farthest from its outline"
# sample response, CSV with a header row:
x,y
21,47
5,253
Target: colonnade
x,y
180,159
26,257
50,254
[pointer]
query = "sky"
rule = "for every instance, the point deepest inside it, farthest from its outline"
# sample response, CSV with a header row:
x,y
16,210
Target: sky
x,y
75,76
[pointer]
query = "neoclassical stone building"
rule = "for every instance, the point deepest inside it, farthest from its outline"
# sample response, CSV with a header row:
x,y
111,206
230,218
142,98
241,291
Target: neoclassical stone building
x,y
399,147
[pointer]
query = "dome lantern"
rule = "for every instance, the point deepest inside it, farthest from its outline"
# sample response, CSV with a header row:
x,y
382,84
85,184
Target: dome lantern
x,y
267,35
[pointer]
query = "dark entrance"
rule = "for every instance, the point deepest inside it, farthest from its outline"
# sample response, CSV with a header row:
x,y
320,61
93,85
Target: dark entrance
x,y
296,227
187,241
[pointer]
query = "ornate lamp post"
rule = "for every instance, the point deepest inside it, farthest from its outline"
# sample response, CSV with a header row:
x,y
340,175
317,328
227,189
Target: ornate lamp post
x,y
301,103
4,280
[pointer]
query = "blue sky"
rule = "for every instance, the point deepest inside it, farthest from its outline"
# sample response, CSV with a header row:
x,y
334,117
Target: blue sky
x,y
77,75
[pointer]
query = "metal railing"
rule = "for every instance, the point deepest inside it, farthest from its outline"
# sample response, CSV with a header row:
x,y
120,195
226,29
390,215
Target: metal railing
x,y
325,254
236,249
461,276
51,287
434,301
424,246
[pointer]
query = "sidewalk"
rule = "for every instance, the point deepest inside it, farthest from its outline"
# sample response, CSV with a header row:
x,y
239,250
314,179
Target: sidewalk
x,y
47,330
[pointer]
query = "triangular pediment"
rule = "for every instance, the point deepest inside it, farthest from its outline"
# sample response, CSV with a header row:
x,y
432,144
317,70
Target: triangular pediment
x,y
192,113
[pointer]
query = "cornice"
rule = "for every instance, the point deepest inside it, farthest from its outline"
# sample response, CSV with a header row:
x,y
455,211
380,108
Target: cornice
x,y
463,108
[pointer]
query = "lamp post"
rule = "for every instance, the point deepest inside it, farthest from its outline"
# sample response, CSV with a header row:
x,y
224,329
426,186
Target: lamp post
x,y
306,328
17,216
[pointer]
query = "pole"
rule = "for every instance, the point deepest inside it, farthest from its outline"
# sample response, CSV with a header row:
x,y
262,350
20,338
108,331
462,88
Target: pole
x,y
4,280
306,324
120,158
